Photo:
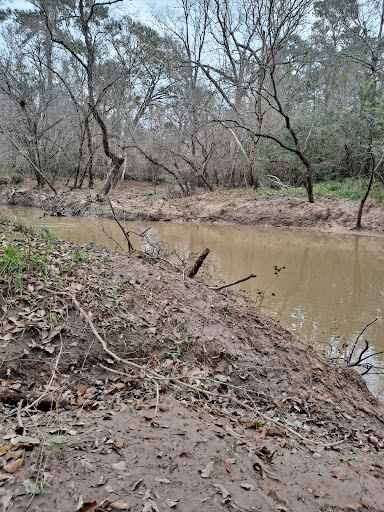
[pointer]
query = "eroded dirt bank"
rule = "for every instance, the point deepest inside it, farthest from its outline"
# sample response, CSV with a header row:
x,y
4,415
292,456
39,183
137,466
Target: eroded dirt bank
x,y
134,201
126,387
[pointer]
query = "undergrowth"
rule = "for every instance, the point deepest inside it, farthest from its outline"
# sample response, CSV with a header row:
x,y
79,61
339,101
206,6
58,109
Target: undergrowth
x,y
353,189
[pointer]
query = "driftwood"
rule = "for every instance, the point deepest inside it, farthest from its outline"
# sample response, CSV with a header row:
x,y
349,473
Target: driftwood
x,y
200,260
232,284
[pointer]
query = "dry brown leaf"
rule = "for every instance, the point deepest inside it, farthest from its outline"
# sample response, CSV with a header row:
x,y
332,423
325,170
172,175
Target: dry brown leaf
x,y
5,448
227,464
13,466
309,488
88,507
259,467
207,471
355,506
249,487
120,505
171,503
239,509
222,490
136,483
320,494
262,433
351,466
82,389
132,426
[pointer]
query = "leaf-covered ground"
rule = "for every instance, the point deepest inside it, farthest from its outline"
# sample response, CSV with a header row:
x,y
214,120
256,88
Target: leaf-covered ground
x,y
125,386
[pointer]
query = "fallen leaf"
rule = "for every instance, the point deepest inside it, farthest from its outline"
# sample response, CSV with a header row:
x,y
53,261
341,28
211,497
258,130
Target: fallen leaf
x,y
239,509
132,426
376,464
150,438
249,487
136,483
88,507
13,466
355,506
253,423
171,503
309,488
207,471
320,494
120,505
222,490
162,480
119,466
258,467
227,464
351,466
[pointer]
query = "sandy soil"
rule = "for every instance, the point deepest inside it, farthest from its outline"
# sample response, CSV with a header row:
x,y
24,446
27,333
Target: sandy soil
x,y
136,201
126,387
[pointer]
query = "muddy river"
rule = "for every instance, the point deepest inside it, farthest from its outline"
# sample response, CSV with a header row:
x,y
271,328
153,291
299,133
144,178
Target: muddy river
x,y
332,286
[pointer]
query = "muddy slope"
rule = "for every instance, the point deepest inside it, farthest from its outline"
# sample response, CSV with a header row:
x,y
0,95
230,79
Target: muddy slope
x,y
140,390
133,201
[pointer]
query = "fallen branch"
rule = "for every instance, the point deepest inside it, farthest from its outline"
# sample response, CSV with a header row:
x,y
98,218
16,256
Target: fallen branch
x,y
232,284
357,339
200,260
126,234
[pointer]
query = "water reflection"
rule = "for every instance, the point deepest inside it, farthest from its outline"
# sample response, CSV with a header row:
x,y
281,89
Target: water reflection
x,y
331,288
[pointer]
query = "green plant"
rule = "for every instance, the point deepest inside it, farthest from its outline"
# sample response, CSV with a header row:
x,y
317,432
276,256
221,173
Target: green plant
x,y
16,178
35,488
13,266
80,255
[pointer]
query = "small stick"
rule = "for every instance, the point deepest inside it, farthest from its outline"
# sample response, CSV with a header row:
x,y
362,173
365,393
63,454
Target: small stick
x,y
18,414
200,260
232,284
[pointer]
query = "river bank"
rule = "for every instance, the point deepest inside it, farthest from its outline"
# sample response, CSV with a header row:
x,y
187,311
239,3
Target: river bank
x,y
144,390
137,201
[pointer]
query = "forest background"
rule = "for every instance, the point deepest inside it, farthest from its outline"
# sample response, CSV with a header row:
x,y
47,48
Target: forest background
x,y
200,93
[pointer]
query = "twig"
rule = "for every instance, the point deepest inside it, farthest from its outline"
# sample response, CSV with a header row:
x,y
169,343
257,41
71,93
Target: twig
x,y
157,396
130,246
18,414
232,284
357,339
116,371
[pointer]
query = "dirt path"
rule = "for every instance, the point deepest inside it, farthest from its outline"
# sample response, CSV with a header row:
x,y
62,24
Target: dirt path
x,y
199,402
134,201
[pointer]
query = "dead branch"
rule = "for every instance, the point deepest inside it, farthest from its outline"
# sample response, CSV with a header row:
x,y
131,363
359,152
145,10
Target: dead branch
x,y
232,284
357,339
200,260
125,233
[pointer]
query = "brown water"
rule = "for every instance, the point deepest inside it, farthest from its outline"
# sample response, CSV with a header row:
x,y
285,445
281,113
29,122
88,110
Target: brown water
x,y
331,288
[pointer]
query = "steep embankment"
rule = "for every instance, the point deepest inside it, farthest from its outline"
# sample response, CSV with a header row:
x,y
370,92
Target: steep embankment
x,y
141,390
133,201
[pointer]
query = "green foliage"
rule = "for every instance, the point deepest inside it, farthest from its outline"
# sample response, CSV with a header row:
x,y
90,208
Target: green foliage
x,y
80,255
